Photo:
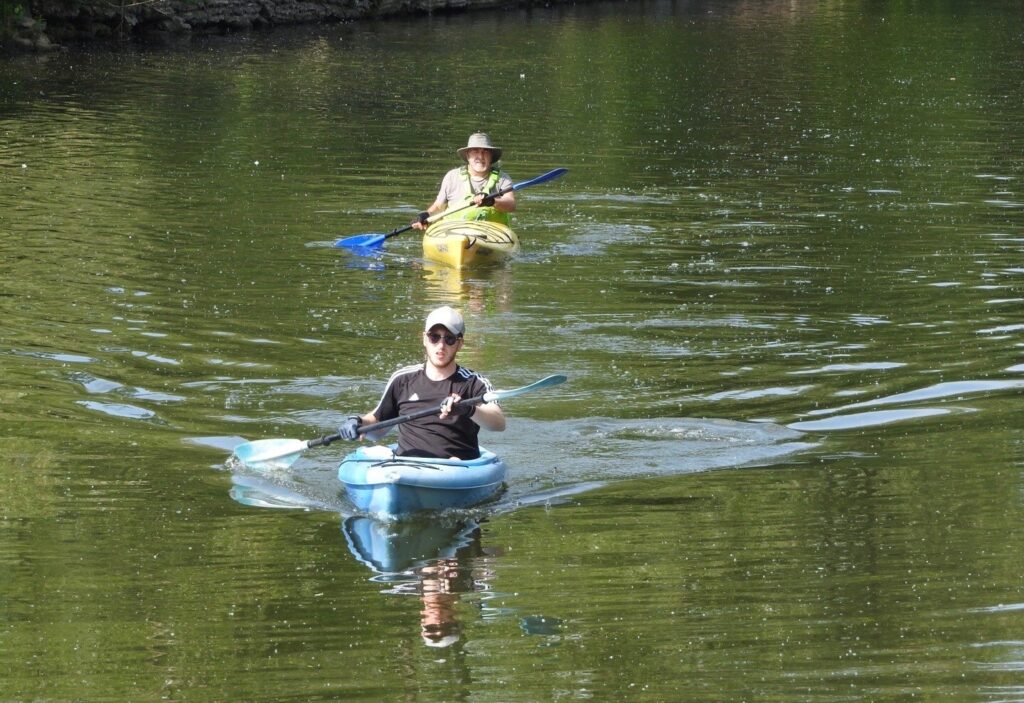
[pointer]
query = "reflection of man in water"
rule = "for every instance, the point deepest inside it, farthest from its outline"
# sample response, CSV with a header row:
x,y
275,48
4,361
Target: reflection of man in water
x,y
401,555
440,583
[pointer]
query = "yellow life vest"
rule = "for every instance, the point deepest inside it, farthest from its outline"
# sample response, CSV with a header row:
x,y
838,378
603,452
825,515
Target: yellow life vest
x,y
491,214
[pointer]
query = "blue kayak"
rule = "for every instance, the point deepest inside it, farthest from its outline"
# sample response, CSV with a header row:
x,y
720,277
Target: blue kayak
x,y
380,483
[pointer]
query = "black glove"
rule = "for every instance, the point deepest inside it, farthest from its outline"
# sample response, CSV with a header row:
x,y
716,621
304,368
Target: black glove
x,y
488,200
350,428
423,217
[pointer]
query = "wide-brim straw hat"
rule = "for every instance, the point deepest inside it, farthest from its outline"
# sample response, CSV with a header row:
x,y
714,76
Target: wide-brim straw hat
x,y
479,140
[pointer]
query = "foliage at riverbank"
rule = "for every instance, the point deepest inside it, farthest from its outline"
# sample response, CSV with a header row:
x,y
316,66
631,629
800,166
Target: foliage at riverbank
x,y
43,24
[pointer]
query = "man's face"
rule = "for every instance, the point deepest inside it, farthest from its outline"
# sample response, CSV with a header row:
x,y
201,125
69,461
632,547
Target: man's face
x,y
479,160
441,345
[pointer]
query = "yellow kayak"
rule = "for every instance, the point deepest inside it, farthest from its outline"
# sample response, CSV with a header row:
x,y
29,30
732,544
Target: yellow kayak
x,y
464,243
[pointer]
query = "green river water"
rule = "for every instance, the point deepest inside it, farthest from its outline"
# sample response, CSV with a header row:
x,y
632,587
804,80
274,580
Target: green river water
x,y
784,275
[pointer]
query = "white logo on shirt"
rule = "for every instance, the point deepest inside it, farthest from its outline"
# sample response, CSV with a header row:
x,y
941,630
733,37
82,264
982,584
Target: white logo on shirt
x,y
414,396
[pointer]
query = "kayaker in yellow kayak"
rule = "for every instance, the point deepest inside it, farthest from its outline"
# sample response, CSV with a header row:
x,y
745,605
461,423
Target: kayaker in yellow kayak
x,y
439,382
475,181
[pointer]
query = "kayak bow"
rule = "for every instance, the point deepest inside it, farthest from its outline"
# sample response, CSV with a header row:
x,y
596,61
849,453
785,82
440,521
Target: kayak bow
x,y
388,486
461,244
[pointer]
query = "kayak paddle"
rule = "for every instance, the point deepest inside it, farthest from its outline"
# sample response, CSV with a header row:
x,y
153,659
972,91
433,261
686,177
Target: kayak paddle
x,y
282,453
368,242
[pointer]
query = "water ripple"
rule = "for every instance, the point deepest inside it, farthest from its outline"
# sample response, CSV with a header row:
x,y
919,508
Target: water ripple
x,y
120,410
951,389
869,419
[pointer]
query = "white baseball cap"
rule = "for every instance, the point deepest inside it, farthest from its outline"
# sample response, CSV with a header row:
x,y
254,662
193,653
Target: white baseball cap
x,y
447,317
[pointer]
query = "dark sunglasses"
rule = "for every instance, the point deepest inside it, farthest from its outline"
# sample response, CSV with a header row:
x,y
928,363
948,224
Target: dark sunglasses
x,y
449,339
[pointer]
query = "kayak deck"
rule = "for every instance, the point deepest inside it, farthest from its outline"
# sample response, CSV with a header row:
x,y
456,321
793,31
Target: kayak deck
x,y
465,243
382,484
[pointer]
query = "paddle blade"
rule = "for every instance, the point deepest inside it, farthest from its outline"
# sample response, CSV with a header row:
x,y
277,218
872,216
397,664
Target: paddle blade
x,y
270,453
361,242
543,178
553,380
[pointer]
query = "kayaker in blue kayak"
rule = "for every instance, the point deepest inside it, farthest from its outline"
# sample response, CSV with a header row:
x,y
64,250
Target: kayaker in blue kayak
x,y
437,382
476,181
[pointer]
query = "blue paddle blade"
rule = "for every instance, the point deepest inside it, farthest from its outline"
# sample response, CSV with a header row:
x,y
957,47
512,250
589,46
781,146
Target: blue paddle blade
x,y
361,242
543,178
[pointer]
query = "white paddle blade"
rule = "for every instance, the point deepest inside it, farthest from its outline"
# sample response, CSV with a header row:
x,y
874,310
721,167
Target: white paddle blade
x,y
543,383
270,453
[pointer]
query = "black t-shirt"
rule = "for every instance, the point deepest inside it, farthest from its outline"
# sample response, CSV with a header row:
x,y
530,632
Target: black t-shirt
x,y
409,390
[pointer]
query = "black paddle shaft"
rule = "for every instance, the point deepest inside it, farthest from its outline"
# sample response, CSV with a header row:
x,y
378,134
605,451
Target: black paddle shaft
x,y
426,412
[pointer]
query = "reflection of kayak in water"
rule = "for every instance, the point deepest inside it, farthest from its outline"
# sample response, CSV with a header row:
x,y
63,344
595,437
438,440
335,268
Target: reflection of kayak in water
x,y
431,559
393,548
464,243
380,483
